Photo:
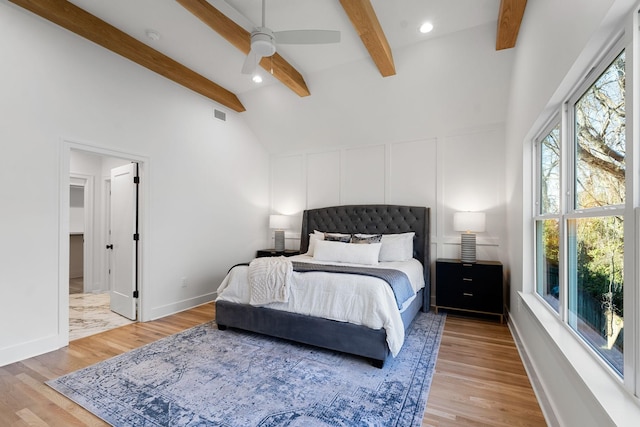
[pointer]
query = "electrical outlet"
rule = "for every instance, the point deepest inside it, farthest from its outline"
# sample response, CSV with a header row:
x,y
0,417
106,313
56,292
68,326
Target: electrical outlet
x,y
183,282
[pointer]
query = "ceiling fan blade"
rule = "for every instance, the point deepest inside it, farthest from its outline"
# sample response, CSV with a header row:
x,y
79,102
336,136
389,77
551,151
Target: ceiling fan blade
x,y
307,36
241,39
251,63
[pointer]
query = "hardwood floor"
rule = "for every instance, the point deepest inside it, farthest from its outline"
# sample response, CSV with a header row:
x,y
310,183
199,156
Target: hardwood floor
x,y
479,379
26,401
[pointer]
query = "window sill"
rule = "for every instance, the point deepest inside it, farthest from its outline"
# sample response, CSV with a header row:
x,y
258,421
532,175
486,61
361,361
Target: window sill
x,y
620,405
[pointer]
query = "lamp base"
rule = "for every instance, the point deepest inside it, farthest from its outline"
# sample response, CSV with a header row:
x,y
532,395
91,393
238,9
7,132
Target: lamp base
x,y
468,247
278,237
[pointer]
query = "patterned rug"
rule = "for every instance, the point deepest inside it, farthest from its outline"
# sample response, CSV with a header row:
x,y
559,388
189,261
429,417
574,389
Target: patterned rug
x,y
207,377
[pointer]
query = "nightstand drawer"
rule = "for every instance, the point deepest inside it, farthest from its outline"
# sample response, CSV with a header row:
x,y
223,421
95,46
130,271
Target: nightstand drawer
x,y
470,296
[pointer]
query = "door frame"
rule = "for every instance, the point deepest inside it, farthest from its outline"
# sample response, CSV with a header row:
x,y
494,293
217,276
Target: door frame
x,y
64,182
104,229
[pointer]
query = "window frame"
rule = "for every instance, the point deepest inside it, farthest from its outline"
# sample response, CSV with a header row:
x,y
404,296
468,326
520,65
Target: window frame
x,y
565,118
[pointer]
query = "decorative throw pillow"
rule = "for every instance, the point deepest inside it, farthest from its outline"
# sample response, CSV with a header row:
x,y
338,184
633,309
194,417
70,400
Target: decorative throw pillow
x,y
337,237
347,252
373,238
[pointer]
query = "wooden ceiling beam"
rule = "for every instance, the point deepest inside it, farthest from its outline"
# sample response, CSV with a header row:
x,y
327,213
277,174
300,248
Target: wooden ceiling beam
x,y
241,39
366,24
509,20
82,23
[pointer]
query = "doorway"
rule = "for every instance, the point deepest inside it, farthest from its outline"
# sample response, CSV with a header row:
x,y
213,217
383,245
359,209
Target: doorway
x,y
87,295
76,236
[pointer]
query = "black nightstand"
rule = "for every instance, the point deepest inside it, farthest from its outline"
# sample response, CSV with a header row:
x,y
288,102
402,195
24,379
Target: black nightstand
x,y
272,252
474,287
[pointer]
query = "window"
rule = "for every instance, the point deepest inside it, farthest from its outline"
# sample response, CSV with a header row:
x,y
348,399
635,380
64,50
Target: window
x,y
595,284
579,239
595,237
550,172
599,122
548,219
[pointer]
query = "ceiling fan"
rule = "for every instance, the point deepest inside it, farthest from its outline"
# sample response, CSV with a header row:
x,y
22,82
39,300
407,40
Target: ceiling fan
x,y
263,41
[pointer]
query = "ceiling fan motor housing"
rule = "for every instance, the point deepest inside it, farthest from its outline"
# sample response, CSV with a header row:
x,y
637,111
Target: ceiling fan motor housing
x,y
263,42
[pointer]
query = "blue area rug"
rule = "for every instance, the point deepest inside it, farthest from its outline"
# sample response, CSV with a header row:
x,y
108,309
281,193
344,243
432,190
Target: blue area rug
x,y
207,377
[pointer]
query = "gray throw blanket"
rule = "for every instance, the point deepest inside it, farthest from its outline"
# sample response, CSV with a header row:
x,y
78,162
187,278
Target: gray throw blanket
x,y
397,280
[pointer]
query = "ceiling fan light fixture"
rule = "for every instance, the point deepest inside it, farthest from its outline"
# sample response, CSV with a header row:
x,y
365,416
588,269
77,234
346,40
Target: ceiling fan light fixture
x,y
262,42
257,78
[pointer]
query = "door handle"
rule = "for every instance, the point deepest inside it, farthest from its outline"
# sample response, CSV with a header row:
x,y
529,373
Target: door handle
x,y
110,246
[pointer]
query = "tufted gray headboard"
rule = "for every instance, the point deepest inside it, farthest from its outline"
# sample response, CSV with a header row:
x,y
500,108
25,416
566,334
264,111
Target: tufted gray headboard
x,y
372,219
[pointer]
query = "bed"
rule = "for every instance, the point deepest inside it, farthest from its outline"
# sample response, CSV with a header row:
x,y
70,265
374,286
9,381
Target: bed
x,y
341,335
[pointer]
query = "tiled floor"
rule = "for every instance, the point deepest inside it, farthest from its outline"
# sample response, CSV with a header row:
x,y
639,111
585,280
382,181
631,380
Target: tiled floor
x,y
90,314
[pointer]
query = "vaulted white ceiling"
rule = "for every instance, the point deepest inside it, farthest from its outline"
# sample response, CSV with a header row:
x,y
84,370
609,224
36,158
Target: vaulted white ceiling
x,y
346,88
192,43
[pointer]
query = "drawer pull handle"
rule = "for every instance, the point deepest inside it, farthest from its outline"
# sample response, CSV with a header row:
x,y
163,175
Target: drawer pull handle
x,y
467,294
467,280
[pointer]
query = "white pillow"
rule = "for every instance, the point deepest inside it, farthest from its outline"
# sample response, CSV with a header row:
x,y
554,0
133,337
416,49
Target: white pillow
x,y
397,247
313,238
352,253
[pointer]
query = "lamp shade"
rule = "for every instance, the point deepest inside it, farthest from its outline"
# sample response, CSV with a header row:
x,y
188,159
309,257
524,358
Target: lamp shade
x,y
469,222
279,222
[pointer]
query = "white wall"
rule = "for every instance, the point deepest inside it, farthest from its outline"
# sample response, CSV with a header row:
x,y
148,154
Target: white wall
x,y
557,45
460,171
207,183
442,85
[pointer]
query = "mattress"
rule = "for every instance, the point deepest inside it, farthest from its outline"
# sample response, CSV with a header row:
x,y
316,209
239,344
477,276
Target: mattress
x,y
361,300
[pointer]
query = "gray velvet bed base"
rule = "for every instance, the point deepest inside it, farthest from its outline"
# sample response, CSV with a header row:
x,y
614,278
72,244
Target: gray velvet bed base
x,y
340,336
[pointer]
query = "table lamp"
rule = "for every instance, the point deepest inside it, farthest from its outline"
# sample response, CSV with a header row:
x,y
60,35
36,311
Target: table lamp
x,y
469,223
279,223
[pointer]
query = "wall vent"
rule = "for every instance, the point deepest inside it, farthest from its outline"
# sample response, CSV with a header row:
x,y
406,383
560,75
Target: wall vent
x,y
220,115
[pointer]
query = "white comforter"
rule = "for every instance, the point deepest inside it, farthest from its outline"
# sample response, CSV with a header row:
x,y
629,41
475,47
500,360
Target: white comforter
x,y
352,298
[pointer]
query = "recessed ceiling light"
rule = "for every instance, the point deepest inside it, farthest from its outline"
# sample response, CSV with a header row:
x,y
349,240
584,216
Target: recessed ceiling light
x,y
257,78
426,27
153,35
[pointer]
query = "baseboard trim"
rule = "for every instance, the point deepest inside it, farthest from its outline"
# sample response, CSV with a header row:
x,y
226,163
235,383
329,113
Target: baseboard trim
x,y
178,306
29,349
538,388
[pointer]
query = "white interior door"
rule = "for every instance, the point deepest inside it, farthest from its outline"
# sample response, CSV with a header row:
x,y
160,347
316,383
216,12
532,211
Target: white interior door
x,y
123,240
